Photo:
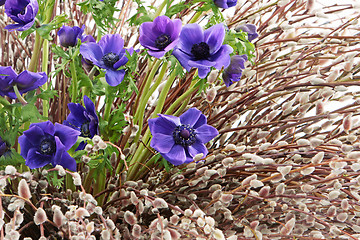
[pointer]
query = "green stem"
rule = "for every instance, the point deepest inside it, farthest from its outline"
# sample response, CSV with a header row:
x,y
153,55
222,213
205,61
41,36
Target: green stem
x,y
4,102
108,104
148,93
163,94
74,81
139,156
195,17
182,98
35,54
86,90
19,96
139,113
161,7
45,60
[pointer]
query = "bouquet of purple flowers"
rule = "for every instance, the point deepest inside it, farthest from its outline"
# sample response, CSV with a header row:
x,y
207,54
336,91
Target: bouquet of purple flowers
x,y
178,120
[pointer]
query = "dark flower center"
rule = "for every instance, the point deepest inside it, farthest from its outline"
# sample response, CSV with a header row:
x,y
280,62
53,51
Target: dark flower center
x,y
48,146
110,59
162,41
85,130
201,51
184,135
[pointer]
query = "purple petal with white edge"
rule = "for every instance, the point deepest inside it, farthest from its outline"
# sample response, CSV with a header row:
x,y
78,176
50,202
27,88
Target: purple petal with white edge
x,y
62,158
34,135
190,34
196,148
92,52
111,43
47,127
114,78
176,155
25,145
161,126
67,135
183,58
36,160
205,133
162,143
190,117
222,57
214,37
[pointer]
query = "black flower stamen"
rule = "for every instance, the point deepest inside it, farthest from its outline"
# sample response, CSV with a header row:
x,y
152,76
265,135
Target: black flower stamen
x,y
162,41
201,51
110,59
184,135
85,130
47,146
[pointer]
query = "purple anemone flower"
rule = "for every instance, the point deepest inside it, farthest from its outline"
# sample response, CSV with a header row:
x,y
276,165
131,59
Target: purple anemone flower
x,y
225,3
84,120
234,71
23,12
202,49
160,36
179,139
45,143
108,54
68,36
25,81
250,29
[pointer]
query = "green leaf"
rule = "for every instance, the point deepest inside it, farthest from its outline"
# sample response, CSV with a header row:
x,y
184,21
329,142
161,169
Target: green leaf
x,y
30,113
165,164
12,158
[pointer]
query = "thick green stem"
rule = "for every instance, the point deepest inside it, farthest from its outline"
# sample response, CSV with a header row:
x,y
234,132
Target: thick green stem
x,y
141,110
74,81
182,98
160,8
35,54
163,94
142,102
139,156
108,104
195,17
45,60
19,96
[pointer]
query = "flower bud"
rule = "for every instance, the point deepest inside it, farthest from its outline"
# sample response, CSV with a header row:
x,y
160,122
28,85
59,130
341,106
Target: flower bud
x,y
40,216
68,35
23,189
